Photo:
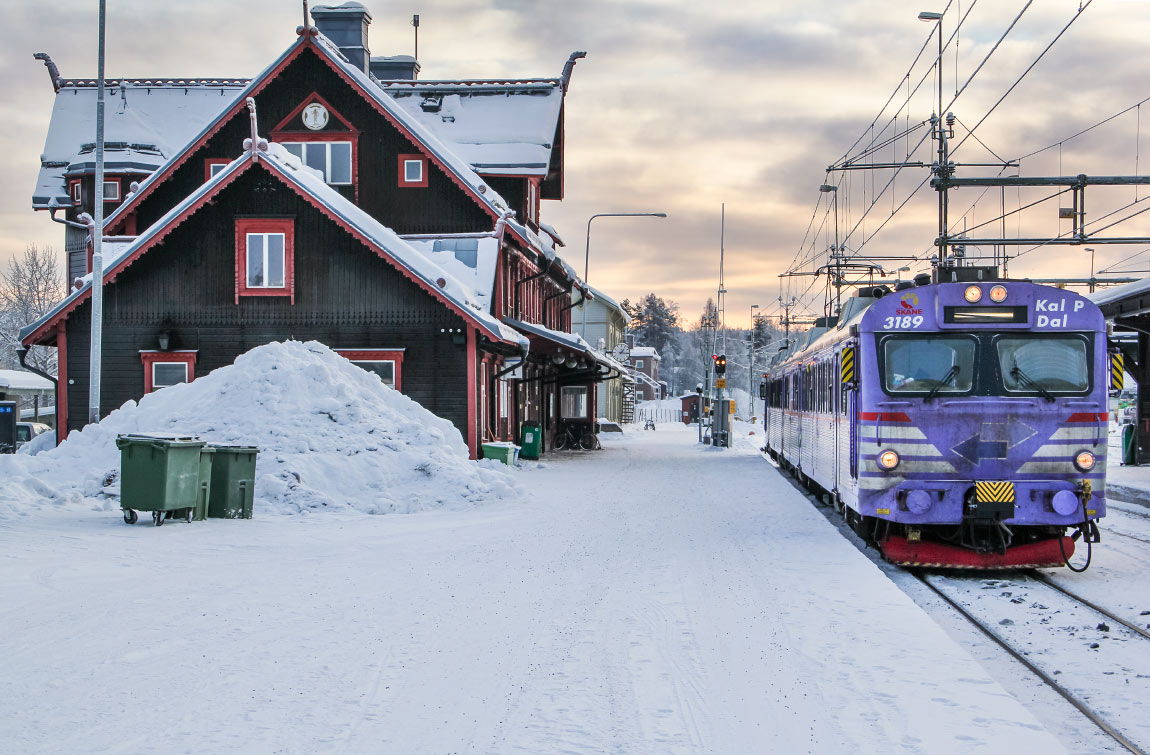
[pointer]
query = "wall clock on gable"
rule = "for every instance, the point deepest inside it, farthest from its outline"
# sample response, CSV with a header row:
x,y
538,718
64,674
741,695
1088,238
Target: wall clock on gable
x,y
315,116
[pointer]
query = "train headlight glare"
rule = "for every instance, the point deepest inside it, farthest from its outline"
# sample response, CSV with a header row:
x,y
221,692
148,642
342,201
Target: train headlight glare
x,y
888,460
1084,461
972,294
998,293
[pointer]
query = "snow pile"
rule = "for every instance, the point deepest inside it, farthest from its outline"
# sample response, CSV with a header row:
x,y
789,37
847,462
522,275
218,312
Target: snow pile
x,y
331,436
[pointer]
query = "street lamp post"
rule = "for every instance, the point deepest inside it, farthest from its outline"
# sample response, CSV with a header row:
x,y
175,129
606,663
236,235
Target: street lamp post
x,y
587,253
751,375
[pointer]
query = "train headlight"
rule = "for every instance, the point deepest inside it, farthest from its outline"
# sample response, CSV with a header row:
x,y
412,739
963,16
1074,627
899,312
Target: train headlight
x,y
888,460
1084,461
997,293
972,294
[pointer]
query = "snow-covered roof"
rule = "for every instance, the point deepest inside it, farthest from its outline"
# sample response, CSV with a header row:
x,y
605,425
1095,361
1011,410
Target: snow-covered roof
x,y
644,351
310,182
503,128
1114,293
146,122
470,258
572,341
599,296
20,382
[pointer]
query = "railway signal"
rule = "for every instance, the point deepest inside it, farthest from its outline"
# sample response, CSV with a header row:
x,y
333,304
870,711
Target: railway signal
x,y
721,364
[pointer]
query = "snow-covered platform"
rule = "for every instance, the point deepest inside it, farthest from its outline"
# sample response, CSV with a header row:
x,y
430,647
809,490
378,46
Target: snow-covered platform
x,y
653,597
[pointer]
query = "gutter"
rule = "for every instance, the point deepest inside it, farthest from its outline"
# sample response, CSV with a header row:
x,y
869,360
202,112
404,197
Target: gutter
x,y
22,354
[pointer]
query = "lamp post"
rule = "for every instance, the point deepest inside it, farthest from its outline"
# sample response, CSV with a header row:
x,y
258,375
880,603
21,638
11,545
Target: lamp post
x,y
1091,250
587,253
751,373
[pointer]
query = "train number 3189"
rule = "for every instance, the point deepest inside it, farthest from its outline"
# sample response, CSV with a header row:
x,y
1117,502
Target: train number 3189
x,y
906,321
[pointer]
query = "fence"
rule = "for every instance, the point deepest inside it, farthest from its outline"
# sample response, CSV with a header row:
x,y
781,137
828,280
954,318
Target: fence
x,y
657,413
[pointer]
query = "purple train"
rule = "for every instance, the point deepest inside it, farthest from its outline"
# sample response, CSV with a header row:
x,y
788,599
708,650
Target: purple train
x,y
961,423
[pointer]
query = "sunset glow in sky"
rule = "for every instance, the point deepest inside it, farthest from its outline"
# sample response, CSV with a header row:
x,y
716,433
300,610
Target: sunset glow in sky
x,y
681,106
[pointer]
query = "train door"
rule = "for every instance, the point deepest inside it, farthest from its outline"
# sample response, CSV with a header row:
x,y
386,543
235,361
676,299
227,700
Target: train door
x,y
836,413
849,386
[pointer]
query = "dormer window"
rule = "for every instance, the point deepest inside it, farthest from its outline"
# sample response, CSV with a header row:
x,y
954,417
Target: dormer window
x,y
412,170
111,191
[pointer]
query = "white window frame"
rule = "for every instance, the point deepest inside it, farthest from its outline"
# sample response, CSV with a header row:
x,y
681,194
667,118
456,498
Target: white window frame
x,y
580,394
361,362
638,364
116,194
532,200
419,170
156,386
303,145
215,168
77,192
247,258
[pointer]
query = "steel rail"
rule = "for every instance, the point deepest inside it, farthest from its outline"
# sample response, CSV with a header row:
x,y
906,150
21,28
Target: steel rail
x,y
1082,707
1040,577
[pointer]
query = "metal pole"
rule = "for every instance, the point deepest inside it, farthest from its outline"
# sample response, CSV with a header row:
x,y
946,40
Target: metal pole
x,y
1091,250
751,374
97,239
587,251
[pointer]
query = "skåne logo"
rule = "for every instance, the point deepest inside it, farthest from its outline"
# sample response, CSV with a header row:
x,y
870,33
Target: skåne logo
x,y
909,304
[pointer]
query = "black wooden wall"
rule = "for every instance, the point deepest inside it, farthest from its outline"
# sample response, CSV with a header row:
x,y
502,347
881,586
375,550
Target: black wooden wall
x,y
440,207
346,297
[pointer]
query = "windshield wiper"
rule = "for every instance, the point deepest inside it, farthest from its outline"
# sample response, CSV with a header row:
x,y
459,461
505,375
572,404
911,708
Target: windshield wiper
x,y
1016,372
938,384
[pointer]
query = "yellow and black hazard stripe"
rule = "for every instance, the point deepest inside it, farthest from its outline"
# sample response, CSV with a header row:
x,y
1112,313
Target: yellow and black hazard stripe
x,y
994,492
1117,367
847,365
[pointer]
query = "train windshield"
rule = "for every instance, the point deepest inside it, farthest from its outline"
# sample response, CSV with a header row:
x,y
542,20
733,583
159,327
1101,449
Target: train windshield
x,y
1042,365
928,364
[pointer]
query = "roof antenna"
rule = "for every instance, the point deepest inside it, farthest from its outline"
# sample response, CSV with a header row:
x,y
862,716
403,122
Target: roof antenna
x,y
415,23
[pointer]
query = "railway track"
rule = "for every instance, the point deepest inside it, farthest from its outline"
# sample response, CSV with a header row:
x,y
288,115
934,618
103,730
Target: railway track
x,y
1116,725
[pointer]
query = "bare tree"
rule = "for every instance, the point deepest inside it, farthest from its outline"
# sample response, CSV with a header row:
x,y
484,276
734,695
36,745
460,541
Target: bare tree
x,y
29,288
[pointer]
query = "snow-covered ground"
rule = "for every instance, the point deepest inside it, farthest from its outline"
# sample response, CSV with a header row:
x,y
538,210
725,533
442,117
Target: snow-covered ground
x,y
653,597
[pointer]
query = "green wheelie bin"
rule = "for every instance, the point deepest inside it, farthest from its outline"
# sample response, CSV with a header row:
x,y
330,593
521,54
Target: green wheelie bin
x,y
159,473
233,482
530,440
203,494
1129,445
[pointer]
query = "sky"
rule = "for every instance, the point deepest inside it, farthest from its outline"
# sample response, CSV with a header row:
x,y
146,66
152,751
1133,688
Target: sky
x,y
683,107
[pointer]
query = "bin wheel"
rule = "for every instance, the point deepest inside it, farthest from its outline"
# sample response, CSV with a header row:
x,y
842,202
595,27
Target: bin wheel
x,y
158,517
188,516
130,516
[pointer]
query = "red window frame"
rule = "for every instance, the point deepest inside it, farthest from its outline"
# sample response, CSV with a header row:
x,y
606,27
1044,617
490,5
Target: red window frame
x,y
338,129
244,226
209,162
76,191
377,355
402,161
150,358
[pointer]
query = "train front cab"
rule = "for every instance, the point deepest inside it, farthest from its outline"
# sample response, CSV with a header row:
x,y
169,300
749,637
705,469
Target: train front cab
x,y
980,433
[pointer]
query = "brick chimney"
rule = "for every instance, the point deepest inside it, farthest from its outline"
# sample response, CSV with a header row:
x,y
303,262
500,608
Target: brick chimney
x,y
346,26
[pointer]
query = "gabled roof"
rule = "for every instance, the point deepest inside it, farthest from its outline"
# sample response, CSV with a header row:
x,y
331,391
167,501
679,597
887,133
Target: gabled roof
x,y
454,166
146,122
503,128
309,184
